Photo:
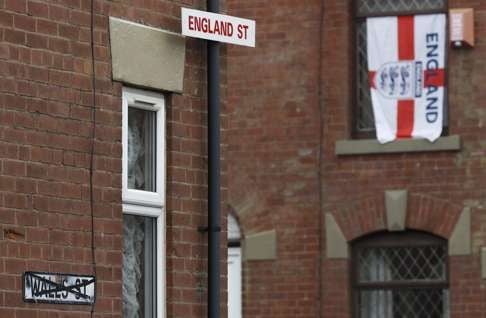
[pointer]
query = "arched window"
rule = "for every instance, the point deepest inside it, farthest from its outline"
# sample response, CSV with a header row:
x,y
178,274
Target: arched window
x,y
234,268
400,275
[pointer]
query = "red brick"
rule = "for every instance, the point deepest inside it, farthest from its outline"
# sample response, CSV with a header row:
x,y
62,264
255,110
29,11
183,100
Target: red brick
x,y
25,23
80,18
277,110
16,5
16,37
58,13
40,235
45,130
7,312
6,19
37,41
68,31
37,9
14,168
60,46
46,27
14,266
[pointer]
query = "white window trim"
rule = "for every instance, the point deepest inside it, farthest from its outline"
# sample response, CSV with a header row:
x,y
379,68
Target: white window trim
x,y
234,283
234,277
146,203
154,102
160,262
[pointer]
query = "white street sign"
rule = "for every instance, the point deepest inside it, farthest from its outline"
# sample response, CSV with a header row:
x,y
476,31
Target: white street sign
x,y
218,27
59,288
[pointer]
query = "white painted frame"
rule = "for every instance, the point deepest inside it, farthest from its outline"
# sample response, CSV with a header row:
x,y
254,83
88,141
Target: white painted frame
x,y
145,203
153,102
234,277
234,283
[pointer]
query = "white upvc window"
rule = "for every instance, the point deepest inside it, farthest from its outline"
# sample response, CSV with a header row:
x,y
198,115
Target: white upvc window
x,y
143,194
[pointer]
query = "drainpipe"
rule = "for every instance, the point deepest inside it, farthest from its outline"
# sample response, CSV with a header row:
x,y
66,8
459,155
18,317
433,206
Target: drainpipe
x,y
214,227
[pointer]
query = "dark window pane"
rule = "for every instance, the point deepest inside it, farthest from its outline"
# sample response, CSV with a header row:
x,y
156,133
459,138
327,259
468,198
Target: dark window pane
x,y
383,264
141,149
139,266
365,120
367,7
401,275
403,303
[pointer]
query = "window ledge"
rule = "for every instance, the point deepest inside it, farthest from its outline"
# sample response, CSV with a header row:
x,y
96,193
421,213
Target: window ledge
x,y
372,146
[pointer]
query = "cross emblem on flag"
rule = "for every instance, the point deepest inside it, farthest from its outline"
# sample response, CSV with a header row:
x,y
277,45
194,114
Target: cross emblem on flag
x,y
406,62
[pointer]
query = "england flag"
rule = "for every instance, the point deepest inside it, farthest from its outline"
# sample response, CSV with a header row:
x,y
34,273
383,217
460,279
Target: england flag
x,y
406,62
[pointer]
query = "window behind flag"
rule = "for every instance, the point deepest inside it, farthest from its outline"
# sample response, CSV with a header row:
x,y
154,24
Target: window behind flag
x,y
363,121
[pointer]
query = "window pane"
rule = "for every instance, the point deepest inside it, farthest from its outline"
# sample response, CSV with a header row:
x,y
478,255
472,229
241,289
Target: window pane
x,y
365,120
139,266
404,303
366,7
141,149
419,263
234,233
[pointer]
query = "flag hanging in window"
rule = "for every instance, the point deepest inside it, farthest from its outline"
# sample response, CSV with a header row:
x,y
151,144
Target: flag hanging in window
x,y
406,62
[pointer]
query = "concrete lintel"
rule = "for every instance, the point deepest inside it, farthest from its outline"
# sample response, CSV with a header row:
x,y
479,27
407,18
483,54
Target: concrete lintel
x,y
336,243
396,209
146,56
372,146
260,246
460,240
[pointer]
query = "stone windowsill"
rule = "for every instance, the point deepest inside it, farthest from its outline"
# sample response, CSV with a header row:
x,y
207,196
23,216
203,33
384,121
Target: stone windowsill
x,y
372,146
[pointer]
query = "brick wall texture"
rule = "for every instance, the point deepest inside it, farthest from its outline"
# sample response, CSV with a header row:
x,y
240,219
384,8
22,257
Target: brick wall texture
x,y
46,120
289,101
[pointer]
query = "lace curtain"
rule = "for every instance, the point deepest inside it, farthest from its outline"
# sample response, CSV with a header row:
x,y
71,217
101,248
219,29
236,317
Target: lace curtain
x,y
133,259
141,156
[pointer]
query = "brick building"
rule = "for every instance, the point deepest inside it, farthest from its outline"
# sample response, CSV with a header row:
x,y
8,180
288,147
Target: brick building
x,y
334,224
102,147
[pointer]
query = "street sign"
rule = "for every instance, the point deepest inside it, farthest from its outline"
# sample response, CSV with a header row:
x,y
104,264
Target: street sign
x,y
59,288
218,27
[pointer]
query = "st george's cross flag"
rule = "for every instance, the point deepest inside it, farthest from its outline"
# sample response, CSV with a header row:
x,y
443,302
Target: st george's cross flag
x,y
406,61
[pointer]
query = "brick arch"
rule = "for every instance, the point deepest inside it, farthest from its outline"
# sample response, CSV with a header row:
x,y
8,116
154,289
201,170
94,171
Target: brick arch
x,y
361,217
432,215
424,213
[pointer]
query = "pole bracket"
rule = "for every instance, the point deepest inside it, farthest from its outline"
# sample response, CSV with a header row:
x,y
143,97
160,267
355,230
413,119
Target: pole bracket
x,y
205,229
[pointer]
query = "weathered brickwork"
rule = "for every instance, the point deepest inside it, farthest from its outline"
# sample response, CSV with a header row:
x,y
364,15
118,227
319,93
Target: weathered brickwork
x,y
45,144
274,109
273,138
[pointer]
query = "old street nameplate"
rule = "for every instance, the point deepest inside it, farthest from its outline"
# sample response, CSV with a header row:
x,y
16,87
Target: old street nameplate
x,y
58,288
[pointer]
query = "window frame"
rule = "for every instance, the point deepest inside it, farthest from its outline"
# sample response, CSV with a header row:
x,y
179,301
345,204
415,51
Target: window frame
x,y
408,238
356,19
146,203
234,236
150,101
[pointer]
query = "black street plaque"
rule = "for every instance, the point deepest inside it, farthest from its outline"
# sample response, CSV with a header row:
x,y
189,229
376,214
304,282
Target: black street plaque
x,y
58,288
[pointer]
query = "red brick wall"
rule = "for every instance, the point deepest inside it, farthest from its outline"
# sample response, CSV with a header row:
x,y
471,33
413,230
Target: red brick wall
x,y
273,137
45,140
273,108
439,184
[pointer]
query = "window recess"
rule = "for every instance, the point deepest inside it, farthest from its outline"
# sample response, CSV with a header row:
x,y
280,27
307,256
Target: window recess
x,y
363,120
143,181
400,275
